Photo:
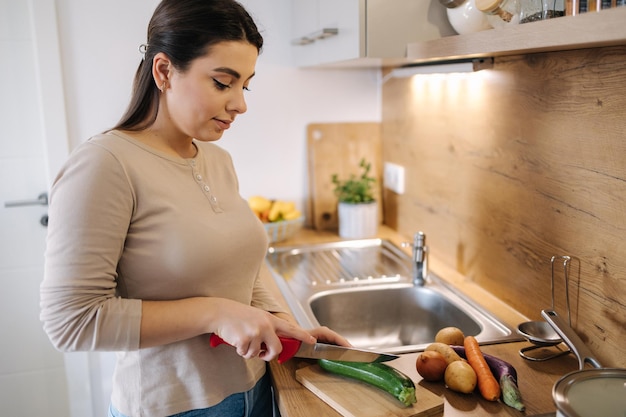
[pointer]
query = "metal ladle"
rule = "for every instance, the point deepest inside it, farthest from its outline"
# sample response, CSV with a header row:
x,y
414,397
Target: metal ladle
x,y
541,333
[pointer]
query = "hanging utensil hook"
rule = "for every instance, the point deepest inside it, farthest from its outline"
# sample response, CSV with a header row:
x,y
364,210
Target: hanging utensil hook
x,y
566,262
541,333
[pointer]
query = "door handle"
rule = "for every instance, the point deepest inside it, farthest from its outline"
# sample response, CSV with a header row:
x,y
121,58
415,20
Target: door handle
x,y
42,200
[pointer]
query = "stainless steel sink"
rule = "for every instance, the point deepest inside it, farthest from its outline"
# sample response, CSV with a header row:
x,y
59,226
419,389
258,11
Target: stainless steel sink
x,y
387,317
363,290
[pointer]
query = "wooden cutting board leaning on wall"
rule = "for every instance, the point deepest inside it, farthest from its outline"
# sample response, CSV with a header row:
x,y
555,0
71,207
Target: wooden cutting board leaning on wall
x,y
337,148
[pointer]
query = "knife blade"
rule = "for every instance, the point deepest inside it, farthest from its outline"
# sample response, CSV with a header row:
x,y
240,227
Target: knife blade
x,y
294,347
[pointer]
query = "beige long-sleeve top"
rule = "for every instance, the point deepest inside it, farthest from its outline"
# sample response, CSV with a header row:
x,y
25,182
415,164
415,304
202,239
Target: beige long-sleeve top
x,y
128,223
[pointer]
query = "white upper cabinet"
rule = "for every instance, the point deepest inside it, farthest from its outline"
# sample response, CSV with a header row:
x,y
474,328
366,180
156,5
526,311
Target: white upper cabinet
x,y
363,32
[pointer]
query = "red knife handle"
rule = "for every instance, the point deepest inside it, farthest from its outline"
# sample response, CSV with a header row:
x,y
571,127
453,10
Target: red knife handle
x,y
290,346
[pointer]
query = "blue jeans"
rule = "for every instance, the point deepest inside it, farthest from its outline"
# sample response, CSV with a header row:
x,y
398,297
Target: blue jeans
x,y
258,402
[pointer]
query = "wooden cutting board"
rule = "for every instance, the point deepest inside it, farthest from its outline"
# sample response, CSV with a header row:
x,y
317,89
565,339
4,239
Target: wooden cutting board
x,y
337,148
352,398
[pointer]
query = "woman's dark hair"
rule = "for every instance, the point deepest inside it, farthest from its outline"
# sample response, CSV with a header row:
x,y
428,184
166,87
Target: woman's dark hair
x,y
184,30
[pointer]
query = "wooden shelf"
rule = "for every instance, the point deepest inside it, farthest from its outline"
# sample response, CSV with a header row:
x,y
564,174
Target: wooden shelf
x,y
587,30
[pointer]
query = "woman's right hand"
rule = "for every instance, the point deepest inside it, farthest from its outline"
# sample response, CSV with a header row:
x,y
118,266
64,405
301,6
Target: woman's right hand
x,y
254,332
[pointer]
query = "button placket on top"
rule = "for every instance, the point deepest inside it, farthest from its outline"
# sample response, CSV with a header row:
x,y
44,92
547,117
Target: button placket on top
x,y
206,189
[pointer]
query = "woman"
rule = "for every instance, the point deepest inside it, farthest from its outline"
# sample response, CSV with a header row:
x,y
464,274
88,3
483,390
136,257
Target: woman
x,y
150,246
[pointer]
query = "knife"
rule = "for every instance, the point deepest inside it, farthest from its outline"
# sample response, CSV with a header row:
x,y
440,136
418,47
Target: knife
x,y
294,347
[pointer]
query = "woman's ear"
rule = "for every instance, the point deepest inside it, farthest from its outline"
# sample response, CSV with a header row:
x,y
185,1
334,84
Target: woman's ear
x,y
161,70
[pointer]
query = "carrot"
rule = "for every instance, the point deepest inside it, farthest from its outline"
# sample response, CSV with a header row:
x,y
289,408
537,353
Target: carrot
x,y
487,385
506,374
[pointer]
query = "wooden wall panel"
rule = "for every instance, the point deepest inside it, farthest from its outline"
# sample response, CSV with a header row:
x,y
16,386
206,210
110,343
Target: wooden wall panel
x,y
506,168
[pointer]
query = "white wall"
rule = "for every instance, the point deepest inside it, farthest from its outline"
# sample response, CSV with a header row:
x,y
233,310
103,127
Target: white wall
x,y
99,45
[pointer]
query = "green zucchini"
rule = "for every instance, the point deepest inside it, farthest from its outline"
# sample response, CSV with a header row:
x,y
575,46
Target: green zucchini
x,y
379,375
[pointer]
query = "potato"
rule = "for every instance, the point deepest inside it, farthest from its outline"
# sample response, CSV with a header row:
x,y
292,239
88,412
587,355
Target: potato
x,y
450,336
460,377
445,350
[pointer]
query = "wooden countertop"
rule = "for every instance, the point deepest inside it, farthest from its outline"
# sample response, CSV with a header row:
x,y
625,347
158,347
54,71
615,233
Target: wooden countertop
x,y
535,379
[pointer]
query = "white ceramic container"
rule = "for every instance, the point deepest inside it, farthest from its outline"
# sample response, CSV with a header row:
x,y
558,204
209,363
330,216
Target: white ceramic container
x,y
358,221
466,18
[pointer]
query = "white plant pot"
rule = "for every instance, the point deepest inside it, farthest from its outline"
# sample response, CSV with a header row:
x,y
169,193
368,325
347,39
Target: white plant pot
x,y
358,221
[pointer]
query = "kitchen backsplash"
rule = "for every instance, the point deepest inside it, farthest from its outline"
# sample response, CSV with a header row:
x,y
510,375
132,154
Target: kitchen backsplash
x,y
506,168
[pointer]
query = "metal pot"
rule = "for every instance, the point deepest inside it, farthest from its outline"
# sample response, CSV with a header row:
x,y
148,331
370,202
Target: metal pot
x,y
586,392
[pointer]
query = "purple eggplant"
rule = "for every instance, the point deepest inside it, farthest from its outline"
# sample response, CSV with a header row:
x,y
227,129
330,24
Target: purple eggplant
x,y
506,375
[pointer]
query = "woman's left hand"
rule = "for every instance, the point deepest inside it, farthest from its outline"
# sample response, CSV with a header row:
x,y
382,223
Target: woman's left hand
x,y
325,335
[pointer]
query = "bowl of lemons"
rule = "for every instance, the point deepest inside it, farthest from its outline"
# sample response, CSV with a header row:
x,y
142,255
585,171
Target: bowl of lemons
x,y
281,218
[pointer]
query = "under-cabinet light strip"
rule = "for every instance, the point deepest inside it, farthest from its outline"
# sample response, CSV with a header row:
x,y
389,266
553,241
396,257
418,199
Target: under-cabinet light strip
x,y
440,68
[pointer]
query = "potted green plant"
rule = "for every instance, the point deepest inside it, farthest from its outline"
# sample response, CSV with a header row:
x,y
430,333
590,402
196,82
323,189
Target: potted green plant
x,y
357,207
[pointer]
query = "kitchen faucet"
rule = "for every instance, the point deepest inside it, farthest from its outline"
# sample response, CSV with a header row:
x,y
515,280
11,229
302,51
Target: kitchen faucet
x,y
420,259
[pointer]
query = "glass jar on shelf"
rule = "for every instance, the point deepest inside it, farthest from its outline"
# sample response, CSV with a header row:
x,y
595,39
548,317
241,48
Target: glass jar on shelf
x,y
500,13
553,8
531,11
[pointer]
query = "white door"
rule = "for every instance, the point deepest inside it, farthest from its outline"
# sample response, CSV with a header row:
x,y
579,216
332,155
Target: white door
x,y
32,373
